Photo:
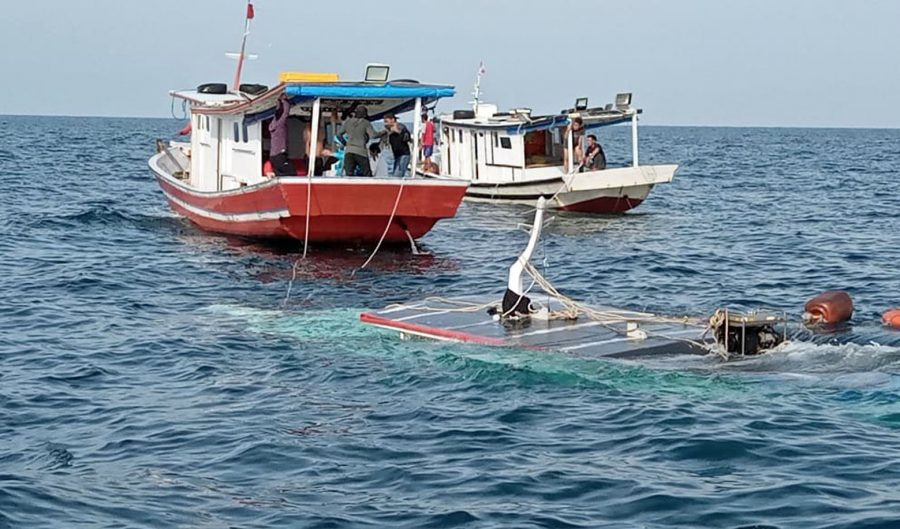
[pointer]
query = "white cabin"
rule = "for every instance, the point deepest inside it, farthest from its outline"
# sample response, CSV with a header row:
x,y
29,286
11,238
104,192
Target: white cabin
x,y
487,146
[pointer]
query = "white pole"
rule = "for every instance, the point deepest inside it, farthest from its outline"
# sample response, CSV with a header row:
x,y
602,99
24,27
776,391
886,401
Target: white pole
x,y
634,139
314,137
571,143
416,125
515,271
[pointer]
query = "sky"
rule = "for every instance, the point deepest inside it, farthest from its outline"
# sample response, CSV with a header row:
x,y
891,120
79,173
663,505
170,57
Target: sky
x,y
792,63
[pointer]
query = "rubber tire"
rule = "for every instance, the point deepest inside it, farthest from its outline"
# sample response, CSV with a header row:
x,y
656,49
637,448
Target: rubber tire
x,y
463,114
213,88
253,89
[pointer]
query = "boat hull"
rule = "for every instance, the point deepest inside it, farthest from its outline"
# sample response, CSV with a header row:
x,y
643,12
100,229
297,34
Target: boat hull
x,y
610,191
340,209
467,320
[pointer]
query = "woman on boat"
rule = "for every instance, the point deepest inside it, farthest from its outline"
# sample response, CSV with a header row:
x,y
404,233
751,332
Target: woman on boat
x,y
278,152
576,128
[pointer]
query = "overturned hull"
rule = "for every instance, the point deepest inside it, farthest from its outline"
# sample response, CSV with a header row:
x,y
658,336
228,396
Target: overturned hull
x,y
619,334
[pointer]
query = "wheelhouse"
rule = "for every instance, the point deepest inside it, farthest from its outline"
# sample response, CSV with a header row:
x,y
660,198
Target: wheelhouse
x,y
486,145
230,133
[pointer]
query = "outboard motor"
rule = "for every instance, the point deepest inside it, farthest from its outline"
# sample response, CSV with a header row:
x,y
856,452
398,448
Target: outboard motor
x,y
747,334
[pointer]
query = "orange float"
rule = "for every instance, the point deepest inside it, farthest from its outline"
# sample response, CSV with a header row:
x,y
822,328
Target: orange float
x,y
833,306
891,318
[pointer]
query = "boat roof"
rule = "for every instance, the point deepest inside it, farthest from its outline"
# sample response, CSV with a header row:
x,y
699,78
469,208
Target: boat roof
x,y
515,122
380,98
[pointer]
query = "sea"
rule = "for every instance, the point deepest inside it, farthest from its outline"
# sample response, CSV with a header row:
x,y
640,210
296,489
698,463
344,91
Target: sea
x,y
153,375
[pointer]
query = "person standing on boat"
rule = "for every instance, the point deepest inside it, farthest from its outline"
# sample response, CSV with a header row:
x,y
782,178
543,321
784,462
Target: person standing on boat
x,y
278,151
356,153
427,139
576,129
399,138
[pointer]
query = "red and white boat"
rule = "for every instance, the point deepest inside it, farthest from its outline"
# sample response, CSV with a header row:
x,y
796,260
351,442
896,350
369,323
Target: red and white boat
x,y
517,157
216,180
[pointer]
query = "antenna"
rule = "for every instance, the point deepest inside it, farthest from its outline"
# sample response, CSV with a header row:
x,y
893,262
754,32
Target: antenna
x,y
477,92
241,56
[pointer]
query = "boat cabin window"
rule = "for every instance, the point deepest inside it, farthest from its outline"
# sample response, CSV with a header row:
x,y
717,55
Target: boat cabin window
x,y
246,133
505,142
543,148
237,132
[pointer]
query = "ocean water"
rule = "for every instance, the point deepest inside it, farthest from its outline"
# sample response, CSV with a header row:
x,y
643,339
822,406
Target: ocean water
x,y
152,375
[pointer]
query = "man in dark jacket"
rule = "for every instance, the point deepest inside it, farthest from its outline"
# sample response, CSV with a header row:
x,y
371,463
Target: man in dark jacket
x,y
359,133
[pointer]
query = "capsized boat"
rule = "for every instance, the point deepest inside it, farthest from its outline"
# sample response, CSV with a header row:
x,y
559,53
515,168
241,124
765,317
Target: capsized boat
x,y
217,179
516,157
551,321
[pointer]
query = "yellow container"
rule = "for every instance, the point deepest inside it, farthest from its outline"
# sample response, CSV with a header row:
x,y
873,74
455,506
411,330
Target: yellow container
x,y
308,77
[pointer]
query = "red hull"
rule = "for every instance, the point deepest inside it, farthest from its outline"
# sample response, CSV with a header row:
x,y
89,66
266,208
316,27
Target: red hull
x,y
604,205
341,209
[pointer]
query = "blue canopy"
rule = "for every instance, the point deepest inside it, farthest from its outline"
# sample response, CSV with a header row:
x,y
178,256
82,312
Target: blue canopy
x,y
397,97
369,91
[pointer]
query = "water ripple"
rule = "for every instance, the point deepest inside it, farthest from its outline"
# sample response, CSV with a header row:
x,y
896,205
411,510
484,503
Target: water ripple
x,y
155,376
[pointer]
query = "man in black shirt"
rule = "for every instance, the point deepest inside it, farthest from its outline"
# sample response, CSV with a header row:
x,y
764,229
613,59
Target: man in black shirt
x,y
399,138
594,157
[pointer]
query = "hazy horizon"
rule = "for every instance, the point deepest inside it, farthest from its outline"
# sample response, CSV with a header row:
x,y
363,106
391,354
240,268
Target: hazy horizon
x,y
643,124
804,64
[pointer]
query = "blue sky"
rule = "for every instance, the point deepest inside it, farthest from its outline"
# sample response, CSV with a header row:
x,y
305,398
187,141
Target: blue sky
x,y
689,62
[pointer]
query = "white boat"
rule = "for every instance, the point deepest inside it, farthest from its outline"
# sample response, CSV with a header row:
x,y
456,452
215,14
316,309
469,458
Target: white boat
x,y
516,157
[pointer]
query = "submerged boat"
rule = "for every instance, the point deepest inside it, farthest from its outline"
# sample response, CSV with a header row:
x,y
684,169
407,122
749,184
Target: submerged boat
x,y
553,322
217,179
516,157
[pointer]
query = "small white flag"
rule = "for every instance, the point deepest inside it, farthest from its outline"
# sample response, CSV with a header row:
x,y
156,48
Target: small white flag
x,y
481,69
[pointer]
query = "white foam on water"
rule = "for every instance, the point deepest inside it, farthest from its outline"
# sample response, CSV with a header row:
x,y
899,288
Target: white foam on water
x,y
841,365
314,324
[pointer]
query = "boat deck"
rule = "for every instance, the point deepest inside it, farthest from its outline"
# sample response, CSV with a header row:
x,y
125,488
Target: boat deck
x,y
467,320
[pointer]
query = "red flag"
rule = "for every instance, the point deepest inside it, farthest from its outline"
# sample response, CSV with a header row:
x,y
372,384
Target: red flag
x,y
249,11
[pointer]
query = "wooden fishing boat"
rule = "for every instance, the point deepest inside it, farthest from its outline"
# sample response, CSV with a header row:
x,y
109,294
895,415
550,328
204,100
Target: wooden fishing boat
x,y
516,157
217,179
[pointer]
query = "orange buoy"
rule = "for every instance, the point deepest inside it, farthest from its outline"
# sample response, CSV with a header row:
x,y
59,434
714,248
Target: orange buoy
x,y
834,306
891,318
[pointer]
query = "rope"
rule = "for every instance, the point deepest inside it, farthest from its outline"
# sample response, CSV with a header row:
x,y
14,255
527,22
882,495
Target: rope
x,y
308,205
572,309
386,229
287,296
462,306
